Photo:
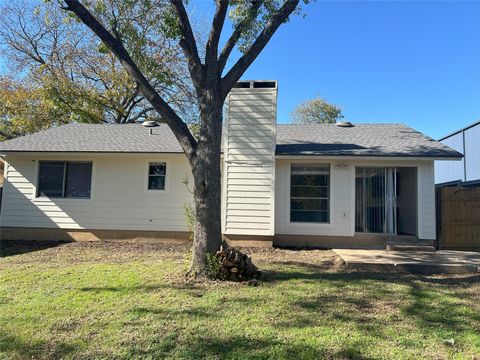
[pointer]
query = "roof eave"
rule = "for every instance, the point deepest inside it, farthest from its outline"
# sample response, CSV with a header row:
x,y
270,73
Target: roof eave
x,y
76,153
368,157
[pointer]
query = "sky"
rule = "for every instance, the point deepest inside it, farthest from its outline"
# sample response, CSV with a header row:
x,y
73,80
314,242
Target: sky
x,y
411,62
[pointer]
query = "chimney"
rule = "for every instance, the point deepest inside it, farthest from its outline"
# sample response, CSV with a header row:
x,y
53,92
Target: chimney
x,y
249,159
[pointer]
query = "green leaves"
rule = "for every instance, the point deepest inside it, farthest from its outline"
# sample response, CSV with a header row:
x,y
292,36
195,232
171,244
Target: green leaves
x,y
65,63
170,26
316,111
25,109
250,21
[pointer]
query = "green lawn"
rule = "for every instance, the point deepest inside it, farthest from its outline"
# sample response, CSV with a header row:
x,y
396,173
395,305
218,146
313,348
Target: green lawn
x,y
113,300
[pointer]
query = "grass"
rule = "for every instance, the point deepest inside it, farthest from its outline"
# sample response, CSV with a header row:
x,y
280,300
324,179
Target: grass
x,y
111,300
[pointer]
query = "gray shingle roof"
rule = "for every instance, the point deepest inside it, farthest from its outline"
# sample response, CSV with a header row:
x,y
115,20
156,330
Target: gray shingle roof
x,y
127,138
361,140
320,139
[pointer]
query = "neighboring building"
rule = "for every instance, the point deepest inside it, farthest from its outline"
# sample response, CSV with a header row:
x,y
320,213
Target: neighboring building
x,y
458,189
298,185
467,142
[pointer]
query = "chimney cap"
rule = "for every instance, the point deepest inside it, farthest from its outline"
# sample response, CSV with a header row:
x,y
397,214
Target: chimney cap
x,y
256,84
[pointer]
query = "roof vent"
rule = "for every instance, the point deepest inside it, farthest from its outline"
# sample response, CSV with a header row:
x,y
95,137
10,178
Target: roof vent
x,y
150,123
344,124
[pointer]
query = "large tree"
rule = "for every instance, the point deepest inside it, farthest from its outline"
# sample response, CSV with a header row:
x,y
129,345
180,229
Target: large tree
x,y
25,109
316,111
254,23
65,65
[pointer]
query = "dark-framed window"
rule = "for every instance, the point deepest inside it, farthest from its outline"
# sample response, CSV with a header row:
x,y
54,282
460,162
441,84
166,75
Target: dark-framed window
x,y
310,193
65,179
157,172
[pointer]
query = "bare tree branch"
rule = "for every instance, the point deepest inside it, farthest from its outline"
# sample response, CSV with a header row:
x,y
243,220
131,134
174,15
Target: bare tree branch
x,y
216,30
179,128
247,59
142,113
236,34
188,44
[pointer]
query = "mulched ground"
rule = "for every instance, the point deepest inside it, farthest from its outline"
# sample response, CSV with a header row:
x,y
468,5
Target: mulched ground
x,y
121,251
56,254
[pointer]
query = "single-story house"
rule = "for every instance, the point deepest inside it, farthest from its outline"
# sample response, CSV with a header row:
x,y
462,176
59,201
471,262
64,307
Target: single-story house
x,y
325,185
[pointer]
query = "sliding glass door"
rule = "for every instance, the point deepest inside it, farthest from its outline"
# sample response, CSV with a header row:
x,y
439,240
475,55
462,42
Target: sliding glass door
x,y
375,193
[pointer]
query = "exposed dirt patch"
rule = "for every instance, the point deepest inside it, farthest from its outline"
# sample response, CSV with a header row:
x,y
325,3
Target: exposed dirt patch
x,y
51,254
309,258
88,251
54,254
113,251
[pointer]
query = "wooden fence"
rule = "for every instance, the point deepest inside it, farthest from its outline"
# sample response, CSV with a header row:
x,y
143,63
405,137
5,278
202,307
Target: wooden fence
x,y
458,217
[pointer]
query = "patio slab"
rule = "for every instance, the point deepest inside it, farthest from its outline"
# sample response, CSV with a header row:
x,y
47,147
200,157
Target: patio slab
x,y
440,262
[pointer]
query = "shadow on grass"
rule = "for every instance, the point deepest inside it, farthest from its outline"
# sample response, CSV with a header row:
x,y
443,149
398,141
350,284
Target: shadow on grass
x,y
321,272
18,247
203,346
435,303
190,289
211,311
123,289
24,349
194,312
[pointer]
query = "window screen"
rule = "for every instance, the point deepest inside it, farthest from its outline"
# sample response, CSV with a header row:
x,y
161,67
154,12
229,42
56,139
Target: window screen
x,y
156,175
78,180
50,180
310,193
65,179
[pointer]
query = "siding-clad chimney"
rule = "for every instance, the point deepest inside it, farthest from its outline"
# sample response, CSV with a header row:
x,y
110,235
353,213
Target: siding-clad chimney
x,y
249,155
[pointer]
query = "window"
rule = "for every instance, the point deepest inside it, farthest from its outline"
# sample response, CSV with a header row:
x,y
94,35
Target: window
x,y
64,179
310,193
156,175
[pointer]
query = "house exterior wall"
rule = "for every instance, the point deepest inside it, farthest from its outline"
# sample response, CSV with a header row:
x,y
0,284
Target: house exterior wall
x,y
341,180
342,198
426,201
249,162
119,201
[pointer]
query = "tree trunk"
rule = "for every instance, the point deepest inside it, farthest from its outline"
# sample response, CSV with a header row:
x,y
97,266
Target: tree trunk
x,y
207,186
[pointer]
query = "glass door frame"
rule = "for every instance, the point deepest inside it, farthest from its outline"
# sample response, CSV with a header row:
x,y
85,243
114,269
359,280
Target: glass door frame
x,y
389,211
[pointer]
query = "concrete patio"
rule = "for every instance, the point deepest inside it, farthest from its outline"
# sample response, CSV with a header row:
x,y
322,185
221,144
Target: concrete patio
x,y
440,262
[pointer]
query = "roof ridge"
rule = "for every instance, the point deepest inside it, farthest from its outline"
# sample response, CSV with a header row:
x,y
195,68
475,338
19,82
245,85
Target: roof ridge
x,y
294,139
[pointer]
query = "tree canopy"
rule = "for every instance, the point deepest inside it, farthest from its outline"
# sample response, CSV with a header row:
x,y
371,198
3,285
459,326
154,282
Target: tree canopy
x,y
154,51
74,74
316,111
25,109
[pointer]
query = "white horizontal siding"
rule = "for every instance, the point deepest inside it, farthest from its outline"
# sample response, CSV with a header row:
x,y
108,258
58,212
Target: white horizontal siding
x,y
342,200
249,96
120,200
119,197
340,203
426,200
249,170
